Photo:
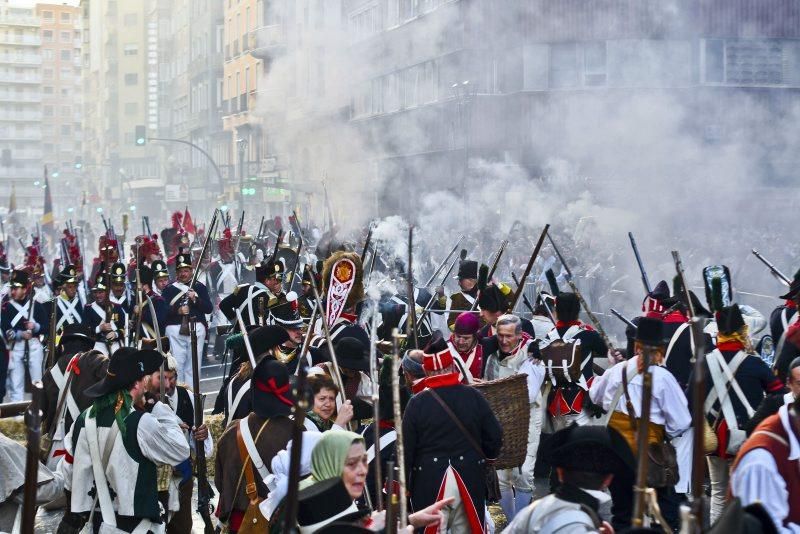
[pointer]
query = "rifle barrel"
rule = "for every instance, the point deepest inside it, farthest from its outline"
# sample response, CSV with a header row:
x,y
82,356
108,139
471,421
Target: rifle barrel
x,y
645,280
531,261
772,269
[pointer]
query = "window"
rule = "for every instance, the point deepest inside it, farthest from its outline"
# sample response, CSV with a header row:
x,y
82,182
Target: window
x,y
65,17
48,89
66,37
47,110
594,64
131,79
66,111
47,54
66,129
563,65
47,16
131,108
48,36
131,49
130,19
48,74
66,55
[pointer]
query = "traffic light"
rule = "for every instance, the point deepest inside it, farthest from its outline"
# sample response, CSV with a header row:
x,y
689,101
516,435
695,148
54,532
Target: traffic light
x,y
141,136
6,160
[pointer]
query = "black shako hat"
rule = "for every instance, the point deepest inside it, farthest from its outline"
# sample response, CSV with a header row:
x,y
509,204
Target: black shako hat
x,y
117,272
468,269
145,275
126,366
324,503
264,338
19,278
183,260
100,282
593,448
794,288
271,392
269,269
729,319
650,331
68,275
160,269
286,315
352,354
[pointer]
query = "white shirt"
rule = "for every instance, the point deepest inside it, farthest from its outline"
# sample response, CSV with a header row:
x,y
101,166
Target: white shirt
x,y
756,479
669,406
208,444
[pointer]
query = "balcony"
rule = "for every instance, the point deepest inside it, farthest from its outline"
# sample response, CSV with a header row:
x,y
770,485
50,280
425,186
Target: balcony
x,y
26,136
20,116
267,41
21,60
23,97
269,102
29,40
10,78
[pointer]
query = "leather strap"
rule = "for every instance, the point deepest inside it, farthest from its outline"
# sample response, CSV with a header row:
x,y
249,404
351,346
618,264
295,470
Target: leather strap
x,y
251,490
458,423
386,440
674,340
628,403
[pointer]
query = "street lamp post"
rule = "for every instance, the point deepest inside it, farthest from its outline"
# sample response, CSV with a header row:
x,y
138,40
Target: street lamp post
x,y
242,145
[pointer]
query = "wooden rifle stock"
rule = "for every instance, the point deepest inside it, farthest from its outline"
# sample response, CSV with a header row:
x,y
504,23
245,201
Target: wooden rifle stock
x,y
493,268
698,409
398,417
204,492
295,455
33,423
373,374
534,255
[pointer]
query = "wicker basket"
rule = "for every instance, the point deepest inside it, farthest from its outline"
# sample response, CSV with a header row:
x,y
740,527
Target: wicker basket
x,y
508,398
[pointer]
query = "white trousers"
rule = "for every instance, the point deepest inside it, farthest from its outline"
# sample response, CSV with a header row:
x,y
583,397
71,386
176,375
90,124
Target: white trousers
x,y
718,472
15,383
102,346
181,350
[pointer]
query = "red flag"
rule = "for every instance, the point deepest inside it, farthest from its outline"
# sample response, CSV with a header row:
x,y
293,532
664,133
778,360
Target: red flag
x,y
188,224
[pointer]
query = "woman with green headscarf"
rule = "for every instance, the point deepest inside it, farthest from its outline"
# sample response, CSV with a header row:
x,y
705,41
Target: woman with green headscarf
x,y
340,454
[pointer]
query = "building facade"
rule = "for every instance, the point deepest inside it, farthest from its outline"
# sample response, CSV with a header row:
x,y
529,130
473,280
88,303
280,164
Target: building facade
x,y
21,107
62,100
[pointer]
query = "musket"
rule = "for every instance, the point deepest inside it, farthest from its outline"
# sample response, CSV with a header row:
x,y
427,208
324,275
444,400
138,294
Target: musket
x,y
57,416
429,305
26,354
147,225
398,418
497,257
373,375
246,339
204,492
366,243
698,409
531,261
391,501
13,409
51,337
236,246
622,318
203,251
589,313
260,227
295,455
493,268
772,269
635,248
307,339
293,272
642,431
105,222
411,320
331,221
444,262
137,332
33,422
525,300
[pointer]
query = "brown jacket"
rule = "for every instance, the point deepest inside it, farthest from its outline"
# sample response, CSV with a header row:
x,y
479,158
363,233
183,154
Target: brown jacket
x,y
228,463
91,368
